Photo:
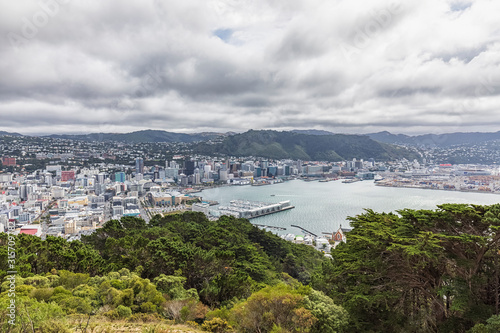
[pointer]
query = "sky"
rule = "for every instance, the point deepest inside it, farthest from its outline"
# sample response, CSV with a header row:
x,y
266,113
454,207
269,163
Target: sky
x,y
346,66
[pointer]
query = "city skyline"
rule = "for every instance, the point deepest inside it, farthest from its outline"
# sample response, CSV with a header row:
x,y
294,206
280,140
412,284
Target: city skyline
x,y
72,67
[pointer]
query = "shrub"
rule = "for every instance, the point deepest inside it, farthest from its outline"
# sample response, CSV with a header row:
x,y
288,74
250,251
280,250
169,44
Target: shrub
x,y
123,311
53,326
216,325
112,314
42,294
148,307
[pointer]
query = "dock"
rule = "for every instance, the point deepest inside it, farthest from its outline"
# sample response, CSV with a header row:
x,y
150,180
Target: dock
x,y
252,209
305,230
269,227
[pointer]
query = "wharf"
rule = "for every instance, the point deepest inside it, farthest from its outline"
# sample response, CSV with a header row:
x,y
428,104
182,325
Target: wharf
x,y
305,230
269,227
251,209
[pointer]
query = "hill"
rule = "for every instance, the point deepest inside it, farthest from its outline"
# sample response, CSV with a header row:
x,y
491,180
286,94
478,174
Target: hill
x,y
140,136
2,133
313,132
281,145
435,140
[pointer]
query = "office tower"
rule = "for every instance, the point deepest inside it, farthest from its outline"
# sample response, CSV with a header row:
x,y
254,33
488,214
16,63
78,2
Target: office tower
x,y
139,165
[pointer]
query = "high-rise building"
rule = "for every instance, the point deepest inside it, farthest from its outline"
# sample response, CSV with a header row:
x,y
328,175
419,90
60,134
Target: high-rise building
x,y
139,165
190,166
223,176
172,173
184,179
120,177
272,171
100,178
48,178
257,172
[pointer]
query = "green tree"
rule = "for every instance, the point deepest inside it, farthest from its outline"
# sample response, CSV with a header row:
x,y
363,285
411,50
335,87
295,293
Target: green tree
x,y
331,318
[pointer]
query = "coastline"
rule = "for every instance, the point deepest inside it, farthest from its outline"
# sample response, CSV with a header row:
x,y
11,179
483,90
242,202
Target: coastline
x,y
437,189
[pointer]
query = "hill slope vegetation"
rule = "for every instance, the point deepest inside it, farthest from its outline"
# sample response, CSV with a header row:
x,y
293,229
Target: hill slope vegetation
x,y
282,145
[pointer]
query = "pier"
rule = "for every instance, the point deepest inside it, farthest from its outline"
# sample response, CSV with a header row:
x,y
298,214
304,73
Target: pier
x,y
305,230
252,209
269,227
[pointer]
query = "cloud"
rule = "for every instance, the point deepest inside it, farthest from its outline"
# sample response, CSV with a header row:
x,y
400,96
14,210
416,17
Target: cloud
x,y
346,66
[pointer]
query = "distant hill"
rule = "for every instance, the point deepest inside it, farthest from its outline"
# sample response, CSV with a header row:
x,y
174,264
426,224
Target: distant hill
x,y
313,132
438,140
141,136
2,133
281,145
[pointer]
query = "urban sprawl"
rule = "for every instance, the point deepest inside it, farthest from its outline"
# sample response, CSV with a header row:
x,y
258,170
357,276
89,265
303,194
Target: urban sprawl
x,y
69,188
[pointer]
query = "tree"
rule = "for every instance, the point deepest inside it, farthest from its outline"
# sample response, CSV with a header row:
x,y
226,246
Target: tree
x,y
420,270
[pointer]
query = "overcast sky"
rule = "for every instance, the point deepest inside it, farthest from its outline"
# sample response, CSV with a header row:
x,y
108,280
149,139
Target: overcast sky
x,y
351,66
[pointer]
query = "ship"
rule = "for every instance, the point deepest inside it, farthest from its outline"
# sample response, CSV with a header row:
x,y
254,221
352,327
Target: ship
x,y
349,181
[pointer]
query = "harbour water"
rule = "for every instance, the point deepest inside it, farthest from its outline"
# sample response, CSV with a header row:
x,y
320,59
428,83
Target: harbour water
x,y
324,206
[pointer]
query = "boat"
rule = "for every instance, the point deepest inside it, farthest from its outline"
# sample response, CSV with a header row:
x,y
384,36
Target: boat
x,y
349,181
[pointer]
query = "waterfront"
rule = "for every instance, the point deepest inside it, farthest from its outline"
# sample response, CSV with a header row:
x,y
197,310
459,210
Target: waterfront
x,y
324,206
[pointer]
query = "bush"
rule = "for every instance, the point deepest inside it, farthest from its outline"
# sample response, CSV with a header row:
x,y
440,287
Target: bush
x,y
112,314
148,307
53,326
73,304
280,306
24,290
42,294
71,280
123,311
216,325
184,310
492,326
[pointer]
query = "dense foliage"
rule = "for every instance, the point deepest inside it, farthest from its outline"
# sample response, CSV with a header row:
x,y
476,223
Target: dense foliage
x,y
185,258
418,271
221,259
414,271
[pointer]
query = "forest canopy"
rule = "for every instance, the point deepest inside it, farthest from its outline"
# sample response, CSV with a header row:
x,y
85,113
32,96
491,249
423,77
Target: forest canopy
x,y
409,271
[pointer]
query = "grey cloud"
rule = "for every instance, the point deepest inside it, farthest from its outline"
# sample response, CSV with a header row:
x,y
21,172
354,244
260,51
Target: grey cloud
x,y
120,65
465,55
407,91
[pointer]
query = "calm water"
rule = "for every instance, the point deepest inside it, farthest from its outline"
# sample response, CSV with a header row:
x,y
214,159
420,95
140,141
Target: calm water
x,y
322,207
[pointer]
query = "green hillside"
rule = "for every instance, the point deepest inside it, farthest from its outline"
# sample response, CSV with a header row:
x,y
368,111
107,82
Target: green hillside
x,y
183,268
140,136
280,145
